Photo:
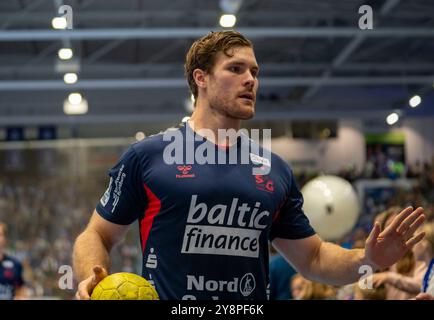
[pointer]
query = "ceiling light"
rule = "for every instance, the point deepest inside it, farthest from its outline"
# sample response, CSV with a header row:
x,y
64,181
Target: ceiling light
x,y
70,78
65,53
59,23
228,20
415,101
74,98
392,118
75,108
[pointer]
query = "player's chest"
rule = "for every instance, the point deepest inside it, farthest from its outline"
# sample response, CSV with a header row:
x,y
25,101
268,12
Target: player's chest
x,y
223,185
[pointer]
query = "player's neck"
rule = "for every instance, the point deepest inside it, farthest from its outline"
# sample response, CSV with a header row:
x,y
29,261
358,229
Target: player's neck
x,y
206,118
2,254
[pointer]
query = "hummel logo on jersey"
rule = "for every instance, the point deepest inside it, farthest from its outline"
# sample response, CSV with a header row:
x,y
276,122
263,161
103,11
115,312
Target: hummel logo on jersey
x,y
184,169
185,172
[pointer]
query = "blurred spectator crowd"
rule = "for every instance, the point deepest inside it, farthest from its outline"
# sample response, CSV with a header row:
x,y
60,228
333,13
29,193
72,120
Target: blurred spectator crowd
x,y
44,216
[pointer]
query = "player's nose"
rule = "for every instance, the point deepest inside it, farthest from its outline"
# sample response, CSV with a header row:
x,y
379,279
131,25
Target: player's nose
x,y
249,80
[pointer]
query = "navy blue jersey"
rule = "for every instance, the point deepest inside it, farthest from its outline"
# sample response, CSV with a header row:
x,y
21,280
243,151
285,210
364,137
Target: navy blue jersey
x,y
10,277
204,228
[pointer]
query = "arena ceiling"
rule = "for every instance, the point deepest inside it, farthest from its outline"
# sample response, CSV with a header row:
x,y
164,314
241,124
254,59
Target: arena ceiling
x,y
315,61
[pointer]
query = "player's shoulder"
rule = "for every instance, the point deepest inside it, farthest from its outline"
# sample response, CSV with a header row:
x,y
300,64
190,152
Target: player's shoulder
x,y
282,164
267,153
157,142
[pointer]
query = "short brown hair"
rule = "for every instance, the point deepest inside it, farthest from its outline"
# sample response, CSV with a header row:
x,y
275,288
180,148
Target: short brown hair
x,y
203,51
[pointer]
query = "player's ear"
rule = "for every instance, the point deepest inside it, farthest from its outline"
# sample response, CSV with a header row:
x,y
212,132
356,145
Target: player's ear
x,y
200,77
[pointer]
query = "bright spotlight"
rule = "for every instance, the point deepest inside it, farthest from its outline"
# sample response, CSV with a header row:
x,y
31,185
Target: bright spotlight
x,y
415,101
75,108
70,78
228,20
59,23
74,98
65,53
392,118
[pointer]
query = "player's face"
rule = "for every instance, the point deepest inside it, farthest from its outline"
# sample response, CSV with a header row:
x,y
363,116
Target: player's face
x,y
233,82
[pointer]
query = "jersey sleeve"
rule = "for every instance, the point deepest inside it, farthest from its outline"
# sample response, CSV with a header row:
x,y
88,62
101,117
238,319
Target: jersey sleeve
x,y
291,222
124,200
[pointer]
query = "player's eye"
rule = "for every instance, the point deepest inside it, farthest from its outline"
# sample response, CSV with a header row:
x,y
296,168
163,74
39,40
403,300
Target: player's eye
x,y
235,69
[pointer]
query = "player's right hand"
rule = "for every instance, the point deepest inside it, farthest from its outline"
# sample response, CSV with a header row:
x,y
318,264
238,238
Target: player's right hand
x,y
86,286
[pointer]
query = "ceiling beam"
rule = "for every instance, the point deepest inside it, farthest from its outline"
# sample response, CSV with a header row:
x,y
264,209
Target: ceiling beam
x,y
176,117
187,33
43,18
177,68
22,16
167,83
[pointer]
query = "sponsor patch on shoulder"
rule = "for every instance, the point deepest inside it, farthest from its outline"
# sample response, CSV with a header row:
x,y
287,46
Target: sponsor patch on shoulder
x,y
106,197
260,160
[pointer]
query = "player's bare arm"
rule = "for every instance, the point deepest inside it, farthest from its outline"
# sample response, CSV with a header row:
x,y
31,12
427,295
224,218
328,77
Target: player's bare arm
x,y
91,255
313,257
326,262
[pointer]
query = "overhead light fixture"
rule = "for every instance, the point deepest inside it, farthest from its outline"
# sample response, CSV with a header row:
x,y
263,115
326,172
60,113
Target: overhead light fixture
x,y
65,53
70,78
75,98
415,101
392,118
59,23
228,20
75,108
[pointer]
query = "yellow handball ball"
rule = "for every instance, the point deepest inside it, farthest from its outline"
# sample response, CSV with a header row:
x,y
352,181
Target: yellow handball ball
x,y
124,286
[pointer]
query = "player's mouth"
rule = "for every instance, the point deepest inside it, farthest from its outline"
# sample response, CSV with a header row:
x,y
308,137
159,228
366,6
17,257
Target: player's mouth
x,y
247,96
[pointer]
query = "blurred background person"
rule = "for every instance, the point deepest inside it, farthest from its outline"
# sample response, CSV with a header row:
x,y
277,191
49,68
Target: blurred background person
x,y
11,272
297,286
424,251
378,293
317,291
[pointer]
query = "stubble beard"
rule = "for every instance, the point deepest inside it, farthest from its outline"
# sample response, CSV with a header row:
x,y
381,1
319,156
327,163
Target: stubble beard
x,y
231,108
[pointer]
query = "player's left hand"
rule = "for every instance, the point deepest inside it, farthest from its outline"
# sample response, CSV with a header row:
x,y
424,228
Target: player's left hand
x,y
385,247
